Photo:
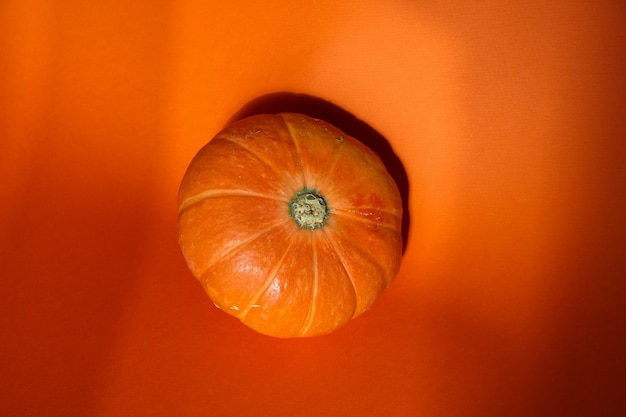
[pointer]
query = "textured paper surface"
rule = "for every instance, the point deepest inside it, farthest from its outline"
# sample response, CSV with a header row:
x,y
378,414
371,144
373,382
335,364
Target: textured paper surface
x,y
509,121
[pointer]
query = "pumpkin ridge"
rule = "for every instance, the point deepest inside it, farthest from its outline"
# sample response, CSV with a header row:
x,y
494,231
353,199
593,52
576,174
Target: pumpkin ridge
x,y
230,251
340,236
263,160
331,168
224,193
364,177
342,261
315,287
266,283
297,150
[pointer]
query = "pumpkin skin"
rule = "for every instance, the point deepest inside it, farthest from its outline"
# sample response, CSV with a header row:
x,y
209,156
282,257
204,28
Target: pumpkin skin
x,y
240,239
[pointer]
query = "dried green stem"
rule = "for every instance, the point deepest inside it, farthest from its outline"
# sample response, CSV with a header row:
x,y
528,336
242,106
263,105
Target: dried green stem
x,y
309,209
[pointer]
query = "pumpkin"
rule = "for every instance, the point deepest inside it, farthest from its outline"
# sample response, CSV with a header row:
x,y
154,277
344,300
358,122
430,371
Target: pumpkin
x,y
289,224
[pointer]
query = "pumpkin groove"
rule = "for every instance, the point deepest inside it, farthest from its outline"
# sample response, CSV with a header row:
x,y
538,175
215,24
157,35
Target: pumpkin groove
x,y
345,241
256,155
328,179
298,158
314,289
266,284
224,193
335,246
232,249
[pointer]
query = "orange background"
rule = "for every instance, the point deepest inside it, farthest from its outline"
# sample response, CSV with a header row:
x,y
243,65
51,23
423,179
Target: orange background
x,y
509,118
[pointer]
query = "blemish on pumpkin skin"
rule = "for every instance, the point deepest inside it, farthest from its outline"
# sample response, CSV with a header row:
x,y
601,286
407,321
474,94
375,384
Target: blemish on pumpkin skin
x,y
252,133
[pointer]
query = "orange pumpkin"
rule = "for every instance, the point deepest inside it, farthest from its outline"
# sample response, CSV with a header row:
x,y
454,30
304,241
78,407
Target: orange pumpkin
x,y
289,224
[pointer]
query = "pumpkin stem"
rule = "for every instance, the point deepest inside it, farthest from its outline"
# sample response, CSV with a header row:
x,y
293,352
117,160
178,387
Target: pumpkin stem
x,y
309,209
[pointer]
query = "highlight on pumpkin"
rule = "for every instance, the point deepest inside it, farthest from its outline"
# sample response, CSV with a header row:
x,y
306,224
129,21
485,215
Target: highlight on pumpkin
x,y
250,251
